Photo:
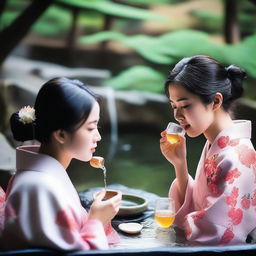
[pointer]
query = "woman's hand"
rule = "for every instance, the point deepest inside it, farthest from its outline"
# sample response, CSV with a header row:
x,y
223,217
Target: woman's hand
x,y
174,153
105,211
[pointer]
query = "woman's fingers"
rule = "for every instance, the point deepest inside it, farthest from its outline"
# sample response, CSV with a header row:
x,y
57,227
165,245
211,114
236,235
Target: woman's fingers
x,y
116,200
182,138
100,195
162,140
163,133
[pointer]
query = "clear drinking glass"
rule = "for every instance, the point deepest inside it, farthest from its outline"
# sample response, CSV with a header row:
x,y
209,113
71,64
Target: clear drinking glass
x,y
173,130
165,212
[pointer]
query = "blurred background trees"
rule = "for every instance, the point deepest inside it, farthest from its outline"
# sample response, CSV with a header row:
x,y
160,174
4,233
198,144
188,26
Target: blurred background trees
x,y
155,33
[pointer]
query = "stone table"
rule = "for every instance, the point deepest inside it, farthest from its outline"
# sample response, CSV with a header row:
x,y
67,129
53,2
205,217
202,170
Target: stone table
x,y
151,235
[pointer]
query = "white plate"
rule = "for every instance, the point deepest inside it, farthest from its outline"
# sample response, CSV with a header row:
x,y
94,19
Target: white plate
x,y
130,228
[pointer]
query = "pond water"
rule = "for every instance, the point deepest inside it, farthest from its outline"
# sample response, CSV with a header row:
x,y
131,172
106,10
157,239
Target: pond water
x,y
134,161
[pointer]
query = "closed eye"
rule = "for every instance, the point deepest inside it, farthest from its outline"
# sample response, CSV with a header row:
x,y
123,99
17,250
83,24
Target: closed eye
x,y
186,106
90,129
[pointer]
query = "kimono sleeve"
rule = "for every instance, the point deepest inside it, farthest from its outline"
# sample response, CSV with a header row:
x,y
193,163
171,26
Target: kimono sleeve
x,y
2,206
229,215
42,216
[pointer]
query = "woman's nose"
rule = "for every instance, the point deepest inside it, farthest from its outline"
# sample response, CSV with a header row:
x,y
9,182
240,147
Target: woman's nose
x,y
178,115
97,136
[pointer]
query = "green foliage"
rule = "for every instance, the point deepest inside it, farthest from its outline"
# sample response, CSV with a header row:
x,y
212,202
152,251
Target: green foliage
x,y
140,78
166,49
246,22
7,18
55,21
150,2
12,9
91,20
17,4
209,21
110,8
247,17
169,48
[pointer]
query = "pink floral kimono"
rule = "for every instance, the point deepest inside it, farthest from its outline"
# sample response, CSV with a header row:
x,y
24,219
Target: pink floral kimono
x,y
220,204
43,209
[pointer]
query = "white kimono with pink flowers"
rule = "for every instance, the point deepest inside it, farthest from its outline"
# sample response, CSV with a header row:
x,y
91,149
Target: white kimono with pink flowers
x,y
220,204
43,209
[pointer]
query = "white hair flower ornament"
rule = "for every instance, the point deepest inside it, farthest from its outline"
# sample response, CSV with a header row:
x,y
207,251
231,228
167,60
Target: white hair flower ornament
x,y
27,115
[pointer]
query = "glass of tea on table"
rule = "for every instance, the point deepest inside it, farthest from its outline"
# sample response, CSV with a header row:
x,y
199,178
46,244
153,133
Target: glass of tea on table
x,y
165,212
172,131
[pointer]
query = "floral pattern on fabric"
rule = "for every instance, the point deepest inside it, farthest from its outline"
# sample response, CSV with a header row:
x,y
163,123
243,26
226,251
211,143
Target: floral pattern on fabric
x,y
246,155
235,215
65,219
225,141
231,199
2,206
220,203
227,236
232,175
213,174
245,201
253,198
254,172
198,215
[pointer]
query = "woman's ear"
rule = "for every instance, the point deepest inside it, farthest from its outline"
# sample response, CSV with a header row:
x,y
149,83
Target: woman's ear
x,y
60,136
217,101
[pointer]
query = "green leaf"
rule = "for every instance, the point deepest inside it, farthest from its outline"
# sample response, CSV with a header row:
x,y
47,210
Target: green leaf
x,y
110,8
170,47
103,36
147,46
150,2
55,21
7,17
209,21
138,78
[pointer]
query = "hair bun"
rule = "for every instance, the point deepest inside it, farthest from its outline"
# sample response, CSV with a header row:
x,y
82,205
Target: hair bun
x,y
21,131
235,72
236,76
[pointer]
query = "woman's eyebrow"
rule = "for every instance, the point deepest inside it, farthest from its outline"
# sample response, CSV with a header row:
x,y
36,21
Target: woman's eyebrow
x,y
181,99
92,122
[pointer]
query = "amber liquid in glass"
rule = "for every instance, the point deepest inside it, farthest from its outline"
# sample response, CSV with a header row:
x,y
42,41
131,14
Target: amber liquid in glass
x,y
164,218
173,138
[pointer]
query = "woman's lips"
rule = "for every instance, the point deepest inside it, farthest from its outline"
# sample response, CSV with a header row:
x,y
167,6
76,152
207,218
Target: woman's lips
x,y
185,126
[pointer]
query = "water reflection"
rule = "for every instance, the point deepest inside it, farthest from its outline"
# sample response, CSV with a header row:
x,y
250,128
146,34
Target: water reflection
x,y
137,163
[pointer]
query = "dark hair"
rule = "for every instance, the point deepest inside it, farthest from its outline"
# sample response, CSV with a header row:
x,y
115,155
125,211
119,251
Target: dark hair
x,y
61,103
205,76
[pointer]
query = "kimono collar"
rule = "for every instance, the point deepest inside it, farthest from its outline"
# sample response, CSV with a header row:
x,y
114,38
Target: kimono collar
x,y
240,129
28,158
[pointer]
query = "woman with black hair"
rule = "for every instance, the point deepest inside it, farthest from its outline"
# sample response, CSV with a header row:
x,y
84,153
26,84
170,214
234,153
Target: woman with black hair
x,y
219,205
42,207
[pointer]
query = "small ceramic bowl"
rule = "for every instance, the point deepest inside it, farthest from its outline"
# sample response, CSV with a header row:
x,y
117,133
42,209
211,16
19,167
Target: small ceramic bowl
x,y
132,205
109,194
